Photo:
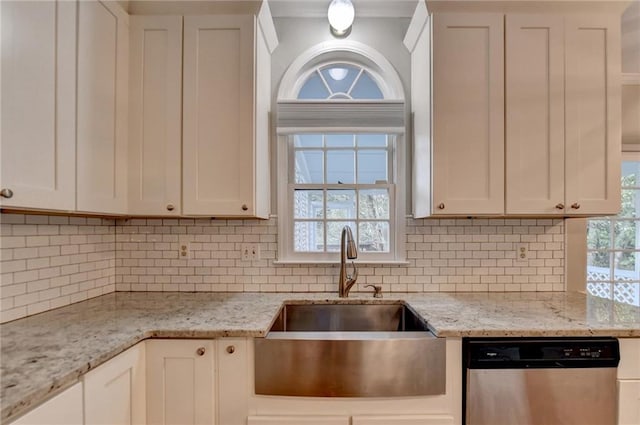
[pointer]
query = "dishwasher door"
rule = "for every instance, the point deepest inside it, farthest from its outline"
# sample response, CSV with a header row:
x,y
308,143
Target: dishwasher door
x,y
541,396
543,381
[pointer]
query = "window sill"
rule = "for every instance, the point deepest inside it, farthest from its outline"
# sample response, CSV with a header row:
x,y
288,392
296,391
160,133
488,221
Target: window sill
x,y
334,262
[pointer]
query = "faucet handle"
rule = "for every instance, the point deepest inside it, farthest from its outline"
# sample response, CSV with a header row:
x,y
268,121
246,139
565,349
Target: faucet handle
x,y
377,290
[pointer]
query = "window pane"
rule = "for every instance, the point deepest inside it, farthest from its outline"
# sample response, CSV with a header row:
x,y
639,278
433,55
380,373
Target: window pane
x,y
340,77
374,237
630,206
307,140
308,204
374,203
341,204
313,88
366,88
339,140
599,289
334,231
309,167
630,173
372,140
625,234
341,167
628,293
626,266
598,234
372,166
598,265
308,236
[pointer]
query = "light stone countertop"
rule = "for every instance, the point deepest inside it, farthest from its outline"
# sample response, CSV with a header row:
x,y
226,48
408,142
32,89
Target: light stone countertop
x,y
48,352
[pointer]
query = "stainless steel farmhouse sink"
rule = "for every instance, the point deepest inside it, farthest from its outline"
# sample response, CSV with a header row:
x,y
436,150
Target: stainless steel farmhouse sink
x,y
349,350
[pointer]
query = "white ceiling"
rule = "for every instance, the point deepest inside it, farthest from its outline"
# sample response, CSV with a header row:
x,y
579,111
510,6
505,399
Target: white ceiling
x,y
364,8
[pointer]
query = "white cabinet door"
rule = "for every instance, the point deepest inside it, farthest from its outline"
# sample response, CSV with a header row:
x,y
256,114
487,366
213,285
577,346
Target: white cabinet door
x,y
38,104
629,402
535,114
114,393
468,113
180,382
63,409
298,420
403,420
155,108
218,110
103,53
233,380
593,139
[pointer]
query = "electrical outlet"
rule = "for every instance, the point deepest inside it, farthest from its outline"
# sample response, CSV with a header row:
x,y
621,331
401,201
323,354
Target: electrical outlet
x,y
250,251
184,250
522,252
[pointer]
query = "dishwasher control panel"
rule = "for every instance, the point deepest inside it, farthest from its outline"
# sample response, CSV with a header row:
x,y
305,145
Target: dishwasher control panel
x,y
541,352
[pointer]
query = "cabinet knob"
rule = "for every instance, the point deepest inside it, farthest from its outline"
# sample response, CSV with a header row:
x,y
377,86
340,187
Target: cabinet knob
x,y
171,207
6,193
441,206
575,205
244,207
560,206
200,351
231,349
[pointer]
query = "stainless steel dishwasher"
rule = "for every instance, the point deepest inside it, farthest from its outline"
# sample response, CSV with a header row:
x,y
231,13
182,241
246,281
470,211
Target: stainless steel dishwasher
x,y
540,381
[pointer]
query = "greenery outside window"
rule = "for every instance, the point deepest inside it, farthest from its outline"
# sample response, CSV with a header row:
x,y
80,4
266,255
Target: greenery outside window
x,y
613,243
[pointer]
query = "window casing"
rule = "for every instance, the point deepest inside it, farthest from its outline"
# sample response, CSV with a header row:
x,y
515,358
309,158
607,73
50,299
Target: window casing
x,y
339,149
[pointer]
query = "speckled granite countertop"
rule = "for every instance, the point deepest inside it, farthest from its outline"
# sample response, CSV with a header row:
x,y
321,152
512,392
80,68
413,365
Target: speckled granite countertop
x,y
43,354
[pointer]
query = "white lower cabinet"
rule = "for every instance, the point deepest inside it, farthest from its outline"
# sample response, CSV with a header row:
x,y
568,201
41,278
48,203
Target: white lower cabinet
x,y
114,393
180,382
629,382
63,409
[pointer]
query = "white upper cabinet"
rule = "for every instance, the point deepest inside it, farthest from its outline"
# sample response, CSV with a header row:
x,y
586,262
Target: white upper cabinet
x,y
221,142
534,49
102,90
155,108
38,104
593,116
543,140
468,114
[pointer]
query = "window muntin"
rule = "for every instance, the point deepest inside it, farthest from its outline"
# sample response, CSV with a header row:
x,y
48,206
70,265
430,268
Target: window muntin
x,y
337,180
340,81
613,251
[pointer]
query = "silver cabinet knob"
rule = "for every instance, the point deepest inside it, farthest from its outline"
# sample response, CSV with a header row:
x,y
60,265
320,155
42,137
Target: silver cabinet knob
x,y
575,205
6,193
441,206
200,351
560,206
244,207
171,207
231,349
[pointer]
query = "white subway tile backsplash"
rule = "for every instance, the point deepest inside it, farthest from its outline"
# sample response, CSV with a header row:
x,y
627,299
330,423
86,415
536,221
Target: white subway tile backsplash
x,y
52,261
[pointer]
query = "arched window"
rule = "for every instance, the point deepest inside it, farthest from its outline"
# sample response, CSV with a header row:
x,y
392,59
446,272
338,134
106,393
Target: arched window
x,y
340,81
338,152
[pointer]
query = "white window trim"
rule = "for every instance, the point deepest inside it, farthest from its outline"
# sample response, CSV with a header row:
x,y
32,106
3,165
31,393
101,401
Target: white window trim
x,y
392,108
286,255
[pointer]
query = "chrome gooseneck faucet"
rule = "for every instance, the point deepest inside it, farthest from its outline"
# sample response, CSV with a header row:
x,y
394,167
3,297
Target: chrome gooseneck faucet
x,y
348,249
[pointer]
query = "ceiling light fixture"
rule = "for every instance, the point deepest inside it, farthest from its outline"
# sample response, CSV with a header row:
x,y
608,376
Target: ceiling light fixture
x,y
338,74
341,14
